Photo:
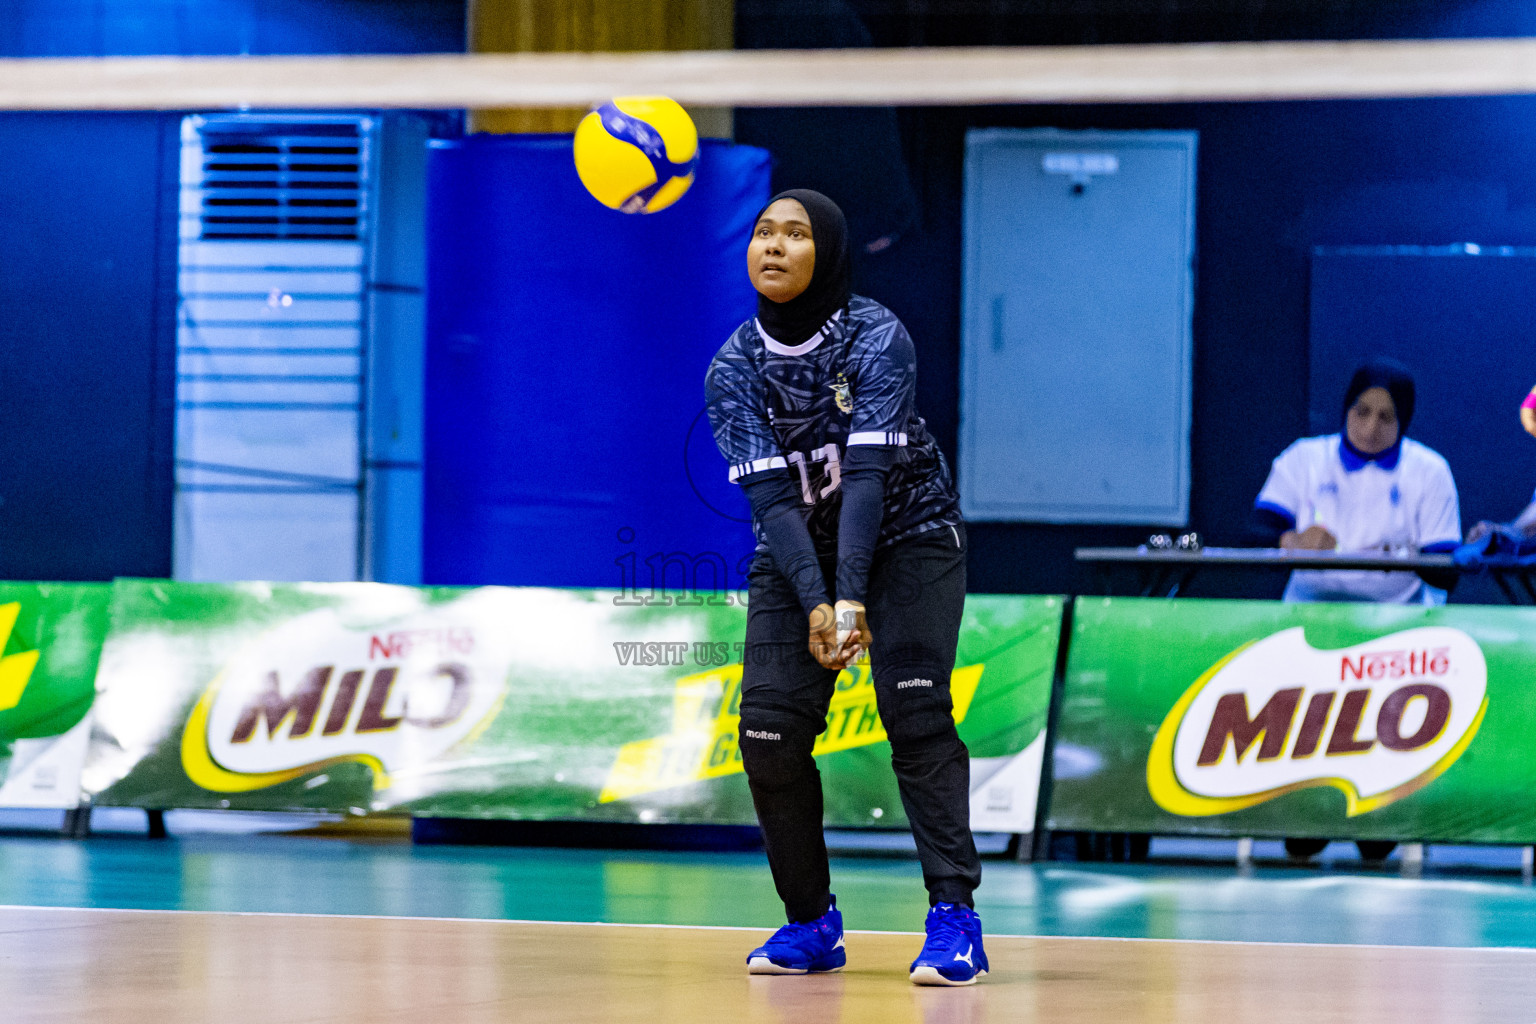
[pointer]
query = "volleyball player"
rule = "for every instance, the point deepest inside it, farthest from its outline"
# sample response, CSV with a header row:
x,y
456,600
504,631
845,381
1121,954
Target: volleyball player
x,y
861,548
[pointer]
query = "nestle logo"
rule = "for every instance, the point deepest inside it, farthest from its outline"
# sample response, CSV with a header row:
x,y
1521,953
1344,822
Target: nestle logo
x,y
445,642
1396,664
757,734
907,684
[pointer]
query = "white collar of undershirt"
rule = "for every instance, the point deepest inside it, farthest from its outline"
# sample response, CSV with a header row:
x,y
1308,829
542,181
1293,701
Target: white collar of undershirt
x,y
778,348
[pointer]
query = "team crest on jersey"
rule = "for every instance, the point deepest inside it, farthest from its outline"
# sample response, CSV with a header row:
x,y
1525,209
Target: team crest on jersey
x,y
842,394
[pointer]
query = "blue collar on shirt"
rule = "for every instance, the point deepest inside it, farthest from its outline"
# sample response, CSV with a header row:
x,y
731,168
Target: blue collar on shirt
x,y
1353,458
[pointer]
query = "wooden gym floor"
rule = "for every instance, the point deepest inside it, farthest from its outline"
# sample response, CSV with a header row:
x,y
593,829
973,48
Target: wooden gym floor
x,y
61,965
331,929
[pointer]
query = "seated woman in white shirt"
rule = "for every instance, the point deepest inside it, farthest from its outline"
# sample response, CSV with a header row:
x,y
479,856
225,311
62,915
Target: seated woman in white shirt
x,y
1369,488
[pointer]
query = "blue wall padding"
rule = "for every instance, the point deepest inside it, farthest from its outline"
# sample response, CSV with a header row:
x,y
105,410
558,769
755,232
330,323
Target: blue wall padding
x,y
566,349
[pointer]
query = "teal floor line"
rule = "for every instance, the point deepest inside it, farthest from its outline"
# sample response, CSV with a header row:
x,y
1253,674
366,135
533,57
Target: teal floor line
x,y
289,874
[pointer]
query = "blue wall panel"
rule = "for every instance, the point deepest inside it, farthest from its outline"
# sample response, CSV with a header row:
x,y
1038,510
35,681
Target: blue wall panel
x,y
566,349
88,343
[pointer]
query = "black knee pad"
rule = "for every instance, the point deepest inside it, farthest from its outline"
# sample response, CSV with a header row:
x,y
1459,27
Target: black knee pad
x,y
775,746
916,710
938,744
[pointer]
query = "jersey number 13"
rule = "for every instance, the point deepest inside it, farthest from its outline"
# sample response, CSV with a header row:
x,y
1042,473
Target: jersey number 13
x,y
826,453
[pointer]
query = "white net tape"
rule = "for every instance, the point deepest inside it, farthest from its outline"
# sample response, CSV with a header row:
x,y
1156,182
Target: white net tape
x,y
762,78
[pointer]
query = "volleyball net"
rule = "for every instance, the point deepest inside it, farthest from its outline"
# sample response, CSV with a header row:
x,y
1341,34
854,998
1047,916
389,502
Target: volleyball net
x,y
785,78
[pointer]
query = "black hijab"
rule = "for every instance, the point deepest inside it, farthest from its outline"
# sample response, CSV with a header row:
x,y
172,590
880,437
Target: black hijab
x,y
1380,372
795,321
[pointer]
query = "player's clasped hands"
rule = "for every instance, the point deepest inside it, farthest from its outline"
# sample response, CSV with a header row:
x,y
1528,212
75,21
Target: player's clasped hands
x,y
840,635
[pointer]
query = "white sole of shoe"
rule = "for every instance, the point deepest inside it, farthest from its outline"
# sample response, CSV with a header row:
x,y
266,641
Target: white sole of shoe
x,y
926,975
762,965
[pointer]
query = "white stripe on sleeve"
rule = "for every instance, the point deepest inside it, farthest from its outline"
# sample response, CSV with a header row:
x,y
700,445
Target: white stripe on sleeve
x,y
742,469
878,437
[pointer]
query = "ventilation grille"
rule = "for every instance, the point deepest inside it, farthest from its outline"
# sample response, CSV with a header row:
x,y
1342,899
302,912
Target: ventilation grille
x,y
278,181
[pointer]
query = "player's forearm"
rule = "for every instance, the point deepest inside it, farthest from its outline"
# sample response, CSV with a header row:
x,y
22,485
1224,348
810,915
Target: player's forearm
x,y
858,525
776,505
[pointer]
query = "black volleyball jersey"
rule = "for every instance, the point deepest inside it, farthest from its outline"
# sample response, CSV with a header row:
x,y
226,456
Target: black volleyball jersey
x,y
801,406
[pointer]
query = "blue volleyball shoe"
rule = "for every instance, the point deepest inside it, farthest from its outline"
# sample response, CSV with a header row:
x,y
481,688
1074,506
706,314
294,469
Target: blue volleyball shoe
x,y
811,947
953,954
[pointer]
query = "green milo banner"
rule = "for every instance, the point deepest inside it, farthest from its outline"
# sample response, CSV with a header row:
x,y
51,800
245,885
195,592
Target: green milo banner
x,y
50,638
509,702
1254,718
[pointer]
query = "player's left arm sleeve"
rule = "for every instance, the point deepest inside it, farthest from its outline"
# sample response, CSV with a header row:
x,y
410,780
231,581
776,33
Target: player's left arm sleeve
x,y
883,383
884,389
1440,514
858,521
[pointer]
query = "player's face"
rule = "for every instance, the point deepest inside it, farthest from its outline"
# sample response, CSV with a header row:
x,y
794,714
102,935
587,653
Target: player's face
x,y
1372,421
782,254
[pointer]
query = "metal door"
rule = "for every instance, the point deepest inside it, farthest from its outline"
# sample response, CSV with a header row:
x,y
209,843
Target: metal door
x,y
1075,345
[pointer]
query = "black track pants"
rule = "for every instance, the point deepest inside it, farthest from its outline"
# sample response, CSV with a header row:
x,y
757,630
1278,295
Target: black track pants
x,y
915,599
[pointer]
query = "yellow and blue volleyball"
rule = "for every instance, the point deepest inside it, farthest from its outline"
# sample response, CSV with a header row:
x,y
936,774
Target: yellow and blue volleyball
x,y
637,154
